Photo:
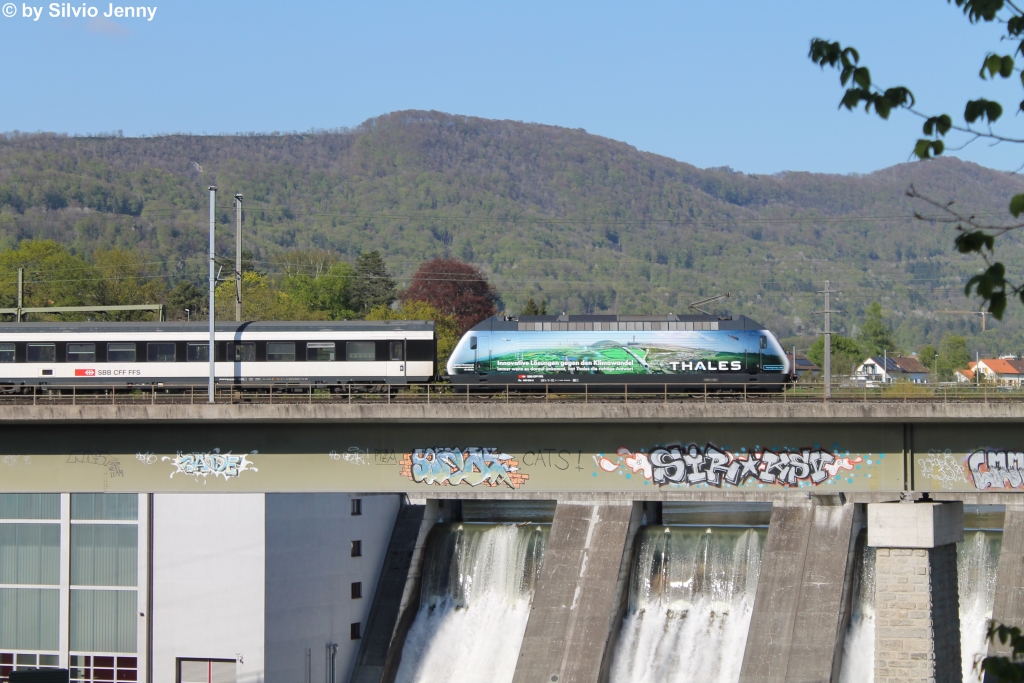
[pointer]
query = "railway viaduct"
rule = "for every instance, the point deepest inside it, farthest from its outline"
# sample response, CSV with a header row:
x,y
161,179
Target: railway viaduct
x,y
902,471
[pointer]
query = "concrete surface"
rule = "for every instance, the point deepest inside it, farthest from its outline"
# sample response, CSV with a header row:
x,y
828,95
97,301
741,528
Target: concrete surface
x,y
575,602
386,610
915,525
540,412
801,593
1008,607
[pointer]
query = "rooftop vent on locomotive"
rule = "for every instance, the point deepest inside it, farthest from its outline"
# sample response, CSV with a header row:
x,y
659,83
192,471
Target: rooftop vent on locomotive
x,y
642,352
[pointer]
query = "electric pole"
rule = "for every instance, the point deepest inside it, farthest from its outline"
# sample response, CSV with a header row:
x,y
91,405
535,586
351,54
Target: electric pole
x,y
238,257
213,284
827,370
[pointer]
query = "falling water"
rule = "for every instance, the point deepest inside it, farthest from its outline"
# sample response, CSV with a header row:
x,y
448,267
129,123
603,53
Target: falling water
x,y
690,600
478,581
977,557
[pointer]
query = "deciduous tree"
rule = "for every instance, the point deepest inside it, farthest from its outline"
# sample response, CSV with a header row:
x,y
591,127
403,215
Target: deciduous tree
x,y
445,326
455,288
846,354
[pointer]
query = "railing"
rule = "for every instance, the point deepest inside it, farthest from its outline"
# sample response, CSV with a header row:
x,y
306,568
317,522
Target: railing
x,y
378,394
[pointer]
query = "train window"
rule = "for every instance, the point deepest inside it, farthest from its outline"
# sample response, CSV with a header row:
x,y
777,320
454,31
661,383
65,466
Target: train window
x,y
160,352
280,351
6,353
419,349
320,351
360,351
198,353
396,350
121,352
242,352
764,342
81,353
41,353
472,342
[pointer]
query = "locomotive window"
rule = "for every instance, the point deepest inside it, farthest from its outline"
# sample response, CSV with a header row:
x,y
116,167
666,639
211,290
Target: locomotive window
x,y
396,351
320,351
41,353
81,353
6,353
472,342
242,351
121,352
360,351
280,351
198,353
764,342
160,352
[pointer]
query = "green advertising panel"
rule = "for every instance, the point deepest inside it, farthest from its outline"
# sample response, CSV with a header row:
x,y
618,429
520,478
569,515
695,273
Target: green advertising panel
x,y
421,458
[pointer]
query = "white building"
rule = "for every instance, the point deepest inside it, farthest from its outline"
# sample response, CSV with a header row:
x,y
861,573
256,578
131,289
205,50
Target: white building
x,y
888,369
189,588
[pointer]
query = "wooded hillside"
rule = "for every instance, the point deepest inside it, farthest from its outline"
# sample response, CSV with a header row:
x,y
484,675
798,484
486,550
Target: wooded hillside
x,y
586,223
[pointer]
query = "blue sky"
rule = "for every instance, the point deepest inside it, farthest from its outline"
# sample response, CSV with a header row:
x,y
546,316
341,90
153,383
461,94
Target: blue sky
x,y
712,84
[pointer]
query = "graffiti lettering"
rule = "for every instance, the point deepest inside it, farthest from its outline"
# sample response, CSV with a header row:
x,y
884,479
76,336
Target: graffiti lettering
x,y
943,467
452,466
996,469
147,458
12,460
90,458
203,464
692,465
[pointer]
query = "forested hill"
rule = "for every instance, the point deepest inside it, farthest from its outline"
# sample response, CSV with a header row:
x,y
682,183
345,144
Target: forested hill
x,y
588,223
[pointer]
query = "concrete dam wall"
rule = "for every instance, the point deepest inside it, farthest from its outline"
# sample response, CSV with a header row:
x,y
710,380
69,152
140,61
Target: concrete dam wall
x,y
670,591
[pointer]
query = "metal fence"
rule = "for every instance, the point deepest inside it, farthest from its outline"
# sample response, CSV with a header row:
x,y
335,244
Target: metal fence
x,y
440,393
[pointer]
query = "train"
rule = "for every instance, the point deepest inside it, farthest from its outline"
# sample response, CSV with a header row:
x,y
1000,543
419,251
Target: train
x,y
326,355
680,351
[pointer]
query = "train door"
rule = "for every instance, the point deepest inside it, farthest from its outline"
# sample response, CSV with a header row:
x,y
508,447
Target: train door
x,y
482,354
396,364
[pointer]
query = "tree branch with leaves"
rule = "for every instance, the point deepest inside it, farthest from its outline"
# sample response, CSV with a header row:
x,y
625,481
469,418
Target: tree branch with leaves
x,y
979,116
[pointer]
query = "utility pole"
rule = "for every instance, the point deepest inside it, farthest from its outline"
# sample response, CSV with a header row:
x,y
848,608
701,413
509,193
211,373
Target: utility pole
x,y
827,370
21,292
213,284
238,257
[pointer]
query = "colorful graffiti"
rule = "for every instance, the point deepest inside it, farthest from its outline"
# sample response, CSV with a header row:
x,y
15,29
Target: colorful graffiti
x,y
452,466
996,469
203,464
693,465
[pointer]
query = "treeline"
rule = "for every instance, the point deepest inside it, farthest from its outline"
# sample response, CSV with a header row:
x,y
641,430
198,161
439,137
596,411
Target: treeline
x,y
308,285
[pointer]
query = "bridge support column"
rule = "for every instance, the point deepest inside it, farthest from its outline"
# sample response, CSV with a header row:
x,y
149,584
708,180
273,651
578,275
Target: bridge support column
x,y
579,593
396,599
802,594
1008,607
917,606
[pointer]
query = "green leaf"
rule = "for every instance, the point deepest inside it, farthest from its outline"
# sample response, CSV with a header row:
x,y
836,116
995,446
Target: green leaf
x,y
1006,69
974,241
862,77
938,147
997,305
1017,205
922,150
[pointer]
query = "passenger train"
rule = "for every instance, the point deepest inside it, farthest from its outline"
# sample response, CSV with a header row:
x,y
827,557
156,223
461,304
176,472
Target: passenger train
x,y
691,350
680,351
169,354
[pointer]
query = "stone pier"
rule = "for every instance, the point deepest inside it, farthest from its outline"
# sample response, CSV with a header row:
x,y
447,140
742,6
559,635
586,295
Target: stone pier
x,y
917,609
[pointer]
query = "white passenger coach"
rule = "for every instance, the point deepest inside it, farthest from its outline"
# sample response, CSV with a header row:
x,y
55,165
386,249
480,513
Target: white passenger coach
x,y
321,354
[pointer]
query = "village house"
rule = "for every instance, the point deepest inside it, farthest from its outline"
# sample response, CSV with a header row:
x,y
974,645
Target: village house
x,y
888,369
1007,371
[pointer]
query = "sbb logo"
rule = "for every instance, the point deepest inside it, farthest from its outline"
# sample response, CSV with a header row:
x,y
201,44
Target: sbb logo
x,y
79,372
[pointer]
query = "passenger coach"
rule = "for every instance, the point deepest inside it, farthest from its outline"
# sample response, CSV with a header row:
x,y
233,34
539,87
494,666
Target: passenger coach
x,y
322,354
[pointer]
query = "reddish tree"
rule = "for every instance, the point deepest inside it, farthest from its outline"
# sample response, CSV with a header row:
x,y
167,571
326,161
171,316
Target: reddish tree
x,y
454,288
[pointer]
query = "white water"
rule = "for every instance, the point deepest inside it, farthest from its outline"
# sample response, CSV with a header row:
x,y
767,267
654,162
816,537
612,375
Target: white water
x,y
478,582
691,597
977,557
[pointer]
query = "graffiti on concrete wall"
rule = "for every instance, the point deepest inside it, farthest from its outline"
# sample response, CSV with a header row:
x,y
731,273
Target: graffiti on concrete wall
x,y
203,464
942,467
453,466
997,469
714,466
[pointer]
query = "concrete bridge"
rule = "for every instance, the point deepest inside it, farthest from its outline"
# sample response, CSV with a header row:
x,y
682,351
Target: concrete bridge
x,y
829,472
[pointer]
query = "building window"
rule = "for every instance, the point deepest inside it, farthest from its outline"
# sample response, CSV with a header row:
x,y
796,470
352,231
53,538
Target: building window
x,y
357,506
356,631
93,669
206,670
357,590
357,548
